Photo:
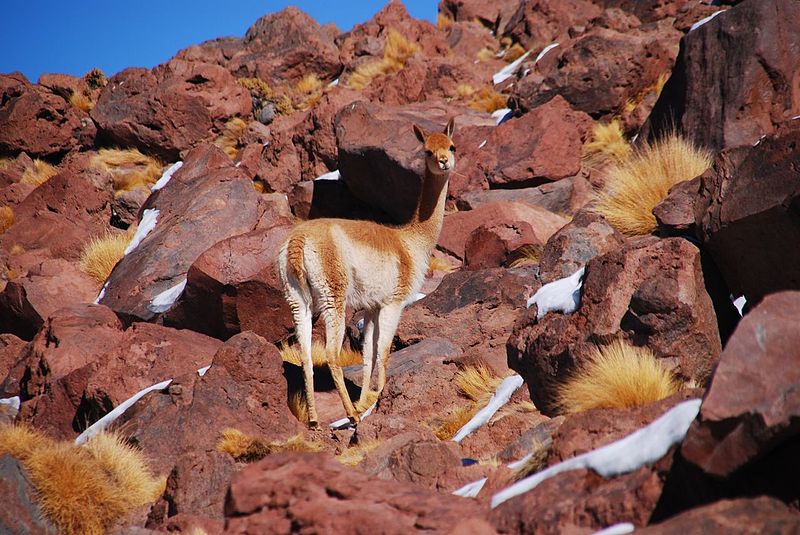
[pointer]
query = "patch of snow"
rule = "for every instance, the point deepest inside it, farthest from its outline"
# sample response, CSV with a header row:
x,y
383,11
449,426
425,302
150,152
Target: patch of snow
x,y
414,298
739,303
14,402
525,72
369,410
237,164
500,114
705,20
617,529
101,294
759,140
483,143
112,416
505,73
643,446
563,295
544,52
795,117
202,371
344,423
516,465
164,301
507,387
333,175
146,225
334,83
471,490
166,176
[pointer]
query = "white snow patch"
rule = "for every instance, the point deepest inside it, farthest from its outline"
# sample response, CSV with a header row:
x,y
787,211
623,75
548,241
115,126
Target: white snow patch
x,y
164,301
544,52
525,72
739,303
146,225
643,446
471,490
14,402
505,73
166,176
617,529
499,115
101,294
344,423
414,298
563,295
334,83
112,416
202,371
516,465
705,20
483,143
507,387
795,117
333,175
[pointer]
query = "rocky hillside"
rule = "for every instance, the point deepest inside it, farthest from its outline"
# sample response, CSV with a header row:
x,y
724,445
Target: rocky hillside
x,y
607,335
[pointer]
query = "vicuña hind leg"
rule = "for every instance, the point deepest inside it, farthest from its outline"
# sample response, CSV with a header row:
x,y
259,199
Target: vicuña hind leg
x,y
388,318
334,336
301,312
369,352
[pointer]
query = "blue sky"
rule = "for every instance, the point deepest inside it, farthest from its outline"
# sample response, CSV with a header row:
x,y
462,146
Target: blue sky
x,y
40,36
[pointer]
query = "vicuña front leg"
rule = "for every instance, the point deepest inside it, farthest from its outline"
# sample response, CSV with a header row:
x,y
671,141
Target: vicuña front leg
x,y
388,318
368,356
334,336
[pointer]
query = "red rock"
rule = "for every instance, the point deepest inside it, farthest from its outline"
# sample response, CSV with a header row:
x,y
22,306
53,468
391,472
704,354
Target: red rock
x,y
20,512
475,310
314,493
466,38
53,284
459,226
649,10
82,364
205,202
190,524
11,349
234,287
565,196
169,110
39,122
536,23
13,169
650,292
753,400
380,158
718,111
588,235
244,389
542,145
494,15
598,72
675,215
63,85
493,438
745,219
751,516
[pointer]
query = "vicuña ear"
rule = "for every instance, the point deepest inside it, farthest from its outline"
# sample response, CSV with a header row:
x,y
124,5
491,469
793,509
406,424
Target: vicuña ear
x,y
451,126
420,133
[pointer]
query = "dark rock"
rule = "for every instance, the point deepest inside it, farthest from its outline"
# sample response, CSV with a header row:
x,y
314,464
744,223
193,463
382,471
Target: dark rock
x,y
20,512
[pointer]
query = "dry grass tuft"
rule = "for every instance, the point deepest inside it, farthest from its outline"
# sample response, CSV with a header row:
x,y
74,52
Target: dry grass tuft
x,y
6,218
633,188
247,449
437,264
477,382
230,139
298,406
521,407
396,53
446,427
443,21
372,397
95,79
83,489
513,53
527,255
5,162
607,145
81,100
101,254
488,100
258,88
618,375
310,83
16,249
291,354
307,92
39,173
535,463
129,168
355,454
486,54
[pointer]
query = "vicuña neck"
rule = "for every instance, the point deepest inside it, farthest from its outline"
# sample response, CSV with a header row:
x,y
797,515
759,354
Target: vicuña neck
x,y
427,219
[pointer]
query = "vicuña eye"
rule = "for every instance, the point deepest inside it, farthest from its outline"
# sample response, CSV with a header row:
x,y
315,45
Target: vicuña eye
x,y
452,148
429,152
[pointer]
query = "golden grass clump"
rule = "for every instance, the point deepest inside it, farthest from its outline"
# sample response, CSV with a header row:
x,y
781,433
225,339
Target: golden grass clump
x,y
396,53
129,168
257,87
437,264
81,100
247,449
633,188
617,375
527,255
445,428
353,455
513,53
464,91
39,173
307,92
83,489
488,100
298,406
310,83
477,383
443,20
486,54
535,463
607,145
102,253
95,79
230,139
6,218
291,354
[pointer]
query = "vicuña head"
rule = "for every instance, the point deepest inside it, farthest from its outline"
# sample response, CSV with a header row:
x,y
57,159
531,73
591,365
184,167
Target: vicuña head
x,y
328,264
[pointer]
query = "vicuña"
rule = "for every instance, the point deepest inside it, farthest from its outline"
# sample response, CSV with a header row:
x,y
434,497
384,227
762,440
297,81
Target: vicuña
x,y
328,264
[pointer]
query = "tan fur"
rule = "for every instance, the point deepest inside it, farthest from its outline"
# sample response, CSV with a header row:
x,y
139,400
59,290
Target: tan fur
x,y
329,264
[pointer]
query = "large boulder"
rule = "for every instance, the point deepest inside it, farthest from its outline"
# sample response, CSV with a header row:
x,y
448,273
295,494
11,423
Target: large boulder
x,y
20,512
564,196
731,85
312,492
494,15
169,110
539,22
205,202
650,292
